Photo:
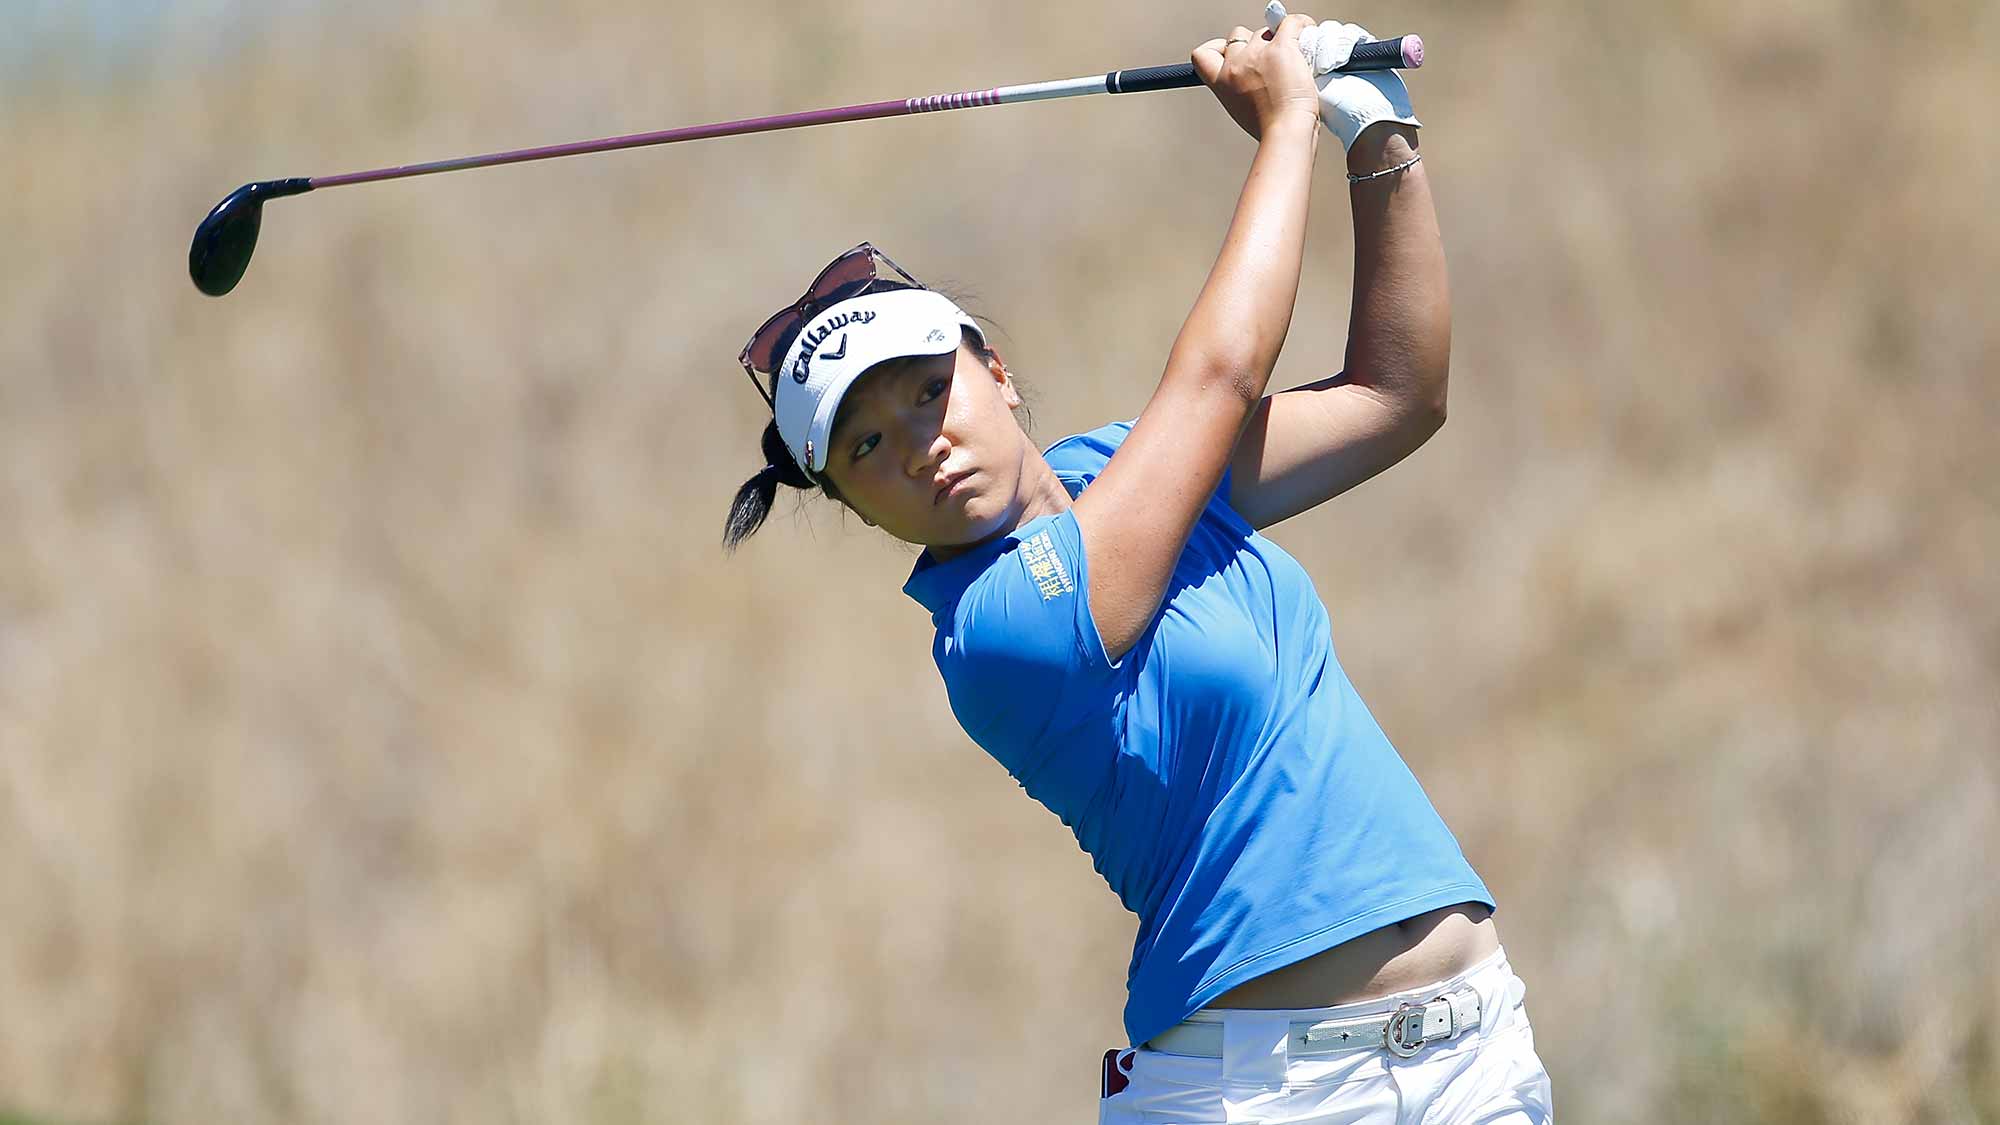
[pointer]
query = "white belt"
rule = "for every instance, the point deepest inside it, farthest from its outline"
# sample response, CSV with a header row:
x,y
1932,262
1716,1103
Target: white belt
x,y
1402,1032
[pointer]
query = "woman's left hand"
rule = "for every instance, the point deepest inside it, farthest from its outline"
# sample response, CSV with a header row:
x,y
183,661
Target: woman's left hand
x,y
1348,103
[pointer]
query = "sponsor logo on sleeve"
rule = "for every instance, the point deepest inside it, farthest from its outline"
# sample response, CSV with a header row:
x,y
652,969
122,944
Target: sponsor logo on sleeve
x,y
1038,554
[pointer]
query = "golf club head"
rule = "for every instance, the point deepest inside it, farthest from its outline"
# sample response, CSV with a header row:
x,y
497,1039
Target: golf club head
x,y
225,239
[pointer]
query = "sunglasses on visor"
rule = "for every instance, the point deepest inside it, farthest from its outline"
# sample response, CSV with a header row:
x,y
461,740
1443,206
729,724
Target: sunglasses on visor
x,y
862,263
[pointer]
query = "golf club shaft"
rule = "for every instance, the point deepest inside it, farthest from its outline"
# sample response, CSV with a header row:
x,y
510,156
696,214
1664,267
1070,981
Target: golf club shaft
x,y
1385,54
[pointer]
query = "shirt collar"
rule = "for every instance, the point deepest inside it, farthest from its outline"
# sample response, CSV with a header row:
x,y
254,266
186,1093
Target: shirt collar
x,y
937,586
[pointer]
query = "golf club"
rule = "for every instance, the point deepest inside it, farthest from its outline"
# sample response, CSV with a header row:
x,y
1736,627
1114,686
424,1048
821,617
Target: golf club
x,y
225,239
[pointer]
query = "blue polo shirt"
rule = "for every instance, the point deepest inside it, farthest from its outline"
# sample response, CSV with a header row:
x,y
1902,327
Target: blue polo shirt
x,y
1223,776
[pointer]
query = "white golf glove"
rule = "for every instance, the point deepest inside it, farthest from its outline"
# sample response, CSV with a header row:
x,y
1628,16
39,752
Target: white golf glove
x,y
1348,103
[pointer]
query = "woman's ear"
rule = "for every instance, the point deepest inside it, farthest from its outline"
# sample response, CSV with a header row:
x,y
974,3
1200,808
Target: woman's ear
x,y
998,367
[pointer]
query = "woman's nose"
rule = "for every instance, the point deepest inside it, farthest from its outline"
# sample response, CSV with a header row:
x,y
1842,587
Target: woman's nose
x,y
928,453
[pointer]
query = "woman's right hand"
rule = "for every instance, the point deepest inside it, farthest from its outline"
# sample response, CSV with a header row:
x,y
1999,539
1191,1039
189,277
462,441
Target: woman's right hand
x,y
1260,77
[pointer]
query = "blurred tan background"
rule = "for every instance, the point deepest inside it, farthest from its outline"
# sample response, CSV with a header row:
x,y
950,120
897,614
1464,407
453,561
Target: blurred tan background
x,y
385,737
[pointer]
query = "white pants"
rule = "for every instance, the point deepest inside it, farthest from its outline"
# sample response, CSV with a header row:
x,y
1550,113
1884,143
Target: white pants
x,y
1487,1076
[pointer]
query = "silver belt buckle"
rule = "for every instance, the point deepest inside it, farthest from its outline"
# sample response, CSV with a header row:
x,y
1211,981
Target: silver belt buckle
x,y
1404,1036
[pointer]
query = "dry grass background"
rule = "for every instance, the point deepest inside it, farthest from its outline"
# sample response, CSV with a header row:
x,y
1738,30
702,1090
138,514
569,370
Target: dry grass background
x,y
383,735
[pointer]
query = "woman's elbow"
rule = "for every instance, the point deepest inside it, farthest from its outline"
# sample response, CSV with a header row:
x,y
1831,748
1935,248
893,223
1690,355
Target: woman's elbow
x,y
1427,410
1418,429
1436,413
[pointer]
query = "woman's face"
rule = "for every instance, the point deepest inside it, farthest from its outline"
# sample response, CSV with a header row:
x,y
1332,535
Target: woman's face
x,y
927,448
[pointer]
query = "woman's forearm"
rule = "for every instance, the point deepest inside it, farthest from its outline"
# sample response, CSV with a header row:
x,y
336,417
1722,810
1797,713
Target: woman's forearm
x,y
1238,323
1399,332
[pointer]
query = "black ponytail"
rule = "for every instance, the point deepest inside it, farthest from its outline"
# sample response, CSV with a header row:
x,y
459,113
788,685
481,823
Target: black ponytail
x,y
753,501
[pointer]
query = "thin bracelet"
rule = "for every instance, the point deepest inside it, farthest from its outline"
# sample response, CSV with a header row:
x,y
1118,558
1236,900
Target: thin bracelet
x,y
1411,163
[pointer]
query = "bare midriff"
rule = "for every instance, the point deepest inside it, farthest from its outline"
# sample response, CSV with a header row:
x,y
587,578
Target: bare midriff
x,y
1404,955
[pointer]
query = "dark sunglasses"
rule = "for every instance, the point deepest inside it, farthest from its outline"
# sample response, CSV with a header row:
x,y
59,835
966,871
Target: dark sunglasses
x,y
857,265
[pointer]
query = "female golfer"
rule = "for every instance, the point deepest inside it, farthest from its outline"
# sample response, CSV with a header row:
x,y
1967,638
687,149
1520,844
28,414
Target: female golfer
x,y
1113,629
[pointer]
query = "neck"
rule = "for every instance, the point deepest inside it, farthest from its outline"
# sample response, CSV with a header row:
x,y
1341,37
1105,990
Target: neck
x,y
1042,494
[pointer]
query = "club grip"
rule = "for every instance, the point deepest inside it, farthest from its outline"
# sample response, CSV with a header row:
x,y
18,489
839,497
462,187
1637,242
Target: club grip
x,y
1404,52
1140,79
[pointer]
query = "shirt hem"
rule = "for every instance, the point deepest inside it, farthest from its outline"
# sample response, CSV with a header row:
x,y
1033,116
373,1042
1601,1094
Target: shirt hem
x,y
1319,941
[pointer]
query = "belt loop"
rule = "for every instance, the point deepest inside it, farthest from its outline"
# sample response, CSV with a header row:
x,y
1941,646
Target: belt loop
x,y
1256,1049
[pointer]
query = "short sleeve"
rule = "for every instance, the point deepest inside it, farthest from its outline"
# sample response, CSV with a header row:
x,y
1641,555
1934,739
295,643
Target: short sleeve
x,y
1084,455
1080,457
1023,663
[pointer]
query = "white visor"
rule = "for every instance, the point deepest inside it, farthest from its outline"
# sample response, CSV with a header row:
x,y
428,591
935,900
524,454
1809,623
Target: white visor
x,y
845,340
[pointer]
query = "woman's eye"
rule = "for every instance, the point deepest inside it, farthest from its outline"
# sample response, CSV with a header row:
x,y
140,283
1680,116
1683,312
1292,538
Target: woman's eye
x,y
932,389
862,447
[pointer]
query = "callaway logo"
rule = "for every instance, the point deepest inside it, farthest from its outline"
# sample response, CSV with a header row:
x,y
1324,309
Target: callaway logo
x,y
836,353
817,336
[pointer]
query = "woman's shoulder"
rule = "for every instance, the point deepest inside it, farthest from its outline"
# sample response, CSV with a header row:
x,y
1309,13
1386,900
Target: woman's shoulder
x,y
1087,452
